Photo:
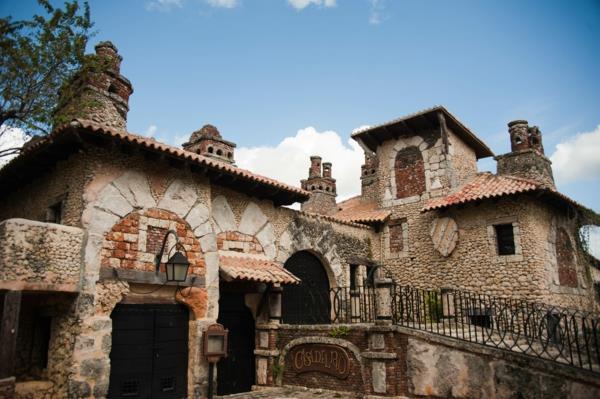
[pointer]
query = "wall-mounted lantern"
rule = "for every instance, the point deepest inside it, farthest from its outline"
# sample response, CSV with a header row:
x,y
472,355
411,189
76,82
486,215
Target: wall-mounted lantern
x,y
215,347
178,264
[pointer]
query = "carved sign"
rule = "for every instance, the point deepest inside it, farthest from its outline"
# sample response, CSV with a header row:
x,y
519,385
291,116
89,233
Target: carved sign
x,y
444,234
323,358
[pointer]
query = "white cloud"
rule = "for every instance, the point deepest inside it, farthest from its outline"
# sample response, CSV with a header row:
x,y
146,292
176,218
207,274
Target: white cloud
x,y
376,13
11,138
223,3
577,158
151,131
302,4
290,159
163,5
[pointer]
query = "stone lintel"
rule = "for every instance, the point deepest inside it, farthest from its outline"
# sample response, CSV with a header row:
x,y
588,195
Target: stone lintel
x,y
143,277
15,285
266,352
379,355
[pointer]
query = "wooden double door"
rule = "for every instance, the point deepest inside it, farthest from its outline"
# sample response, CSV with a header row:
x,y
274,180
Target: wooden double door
x,y
149,355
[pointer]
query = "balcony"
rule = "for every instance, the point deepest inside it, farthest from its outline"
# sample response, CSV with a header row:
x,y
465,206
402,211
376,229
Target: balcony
x,y
36,256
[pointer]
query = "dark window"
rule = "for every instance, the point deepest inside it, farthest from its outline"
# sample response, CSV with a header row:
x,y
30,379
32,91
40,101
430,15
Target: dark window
x,y
353,271
210,150
54,213
219,152
396,236
505,239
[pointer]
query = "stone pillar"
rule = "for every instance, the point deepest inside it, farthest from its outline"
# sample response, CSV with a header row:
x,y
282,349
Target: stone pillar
x,y
519,135
448,309
268,371
327,169
384,298
382,358
8,333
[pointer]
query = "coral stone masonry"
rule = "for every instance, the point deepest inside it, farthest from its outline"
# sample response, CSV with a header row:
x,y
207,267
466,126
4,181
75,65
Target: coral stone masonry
x,y
322,297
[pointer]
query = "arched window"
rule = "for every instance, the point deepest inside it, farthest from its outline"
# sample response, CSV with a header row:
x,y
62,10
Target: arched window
x,y
307,302
410,173
567,272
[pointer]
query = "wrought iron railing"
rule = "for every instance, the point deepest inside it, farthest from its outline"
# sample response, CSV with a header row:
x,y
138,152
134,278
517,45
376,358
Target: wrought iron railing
x,y
567,336
564,335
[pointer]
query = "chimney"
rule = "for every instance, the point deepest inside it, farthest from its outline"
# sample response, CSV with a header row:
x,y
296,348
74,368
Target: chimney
x,y
322,188
98,92
526,158
369,176
207,141
315,167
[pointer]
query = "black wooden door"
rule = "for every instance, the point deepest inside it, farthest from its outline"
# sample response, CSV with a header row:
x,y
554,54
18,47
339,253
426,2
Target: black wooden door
x,y
235,373
149,352
309,301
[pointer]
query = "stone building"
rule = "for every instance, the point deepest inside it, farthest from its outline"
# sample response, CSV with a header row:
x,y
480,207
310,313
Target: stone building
x,y
85,211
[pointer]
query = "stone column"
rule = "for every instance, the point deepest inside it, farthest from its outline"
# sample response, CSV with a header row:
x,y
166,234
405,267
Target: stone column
x,y
384,298
267,366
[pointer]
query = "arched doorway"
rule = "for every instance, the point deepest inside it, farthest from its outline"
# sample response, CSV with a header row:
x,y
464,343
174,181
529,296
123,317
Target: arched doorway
x,y
308,302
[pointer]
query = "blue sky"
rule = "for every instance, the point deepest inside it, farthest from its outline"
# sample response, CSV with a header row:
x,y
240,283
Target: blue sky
x,y
275,75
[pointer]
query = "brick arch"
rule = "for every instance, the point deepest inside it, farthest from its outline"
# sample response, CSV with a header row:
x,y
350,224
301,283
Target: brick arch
x,y
409,169
565,259
136,238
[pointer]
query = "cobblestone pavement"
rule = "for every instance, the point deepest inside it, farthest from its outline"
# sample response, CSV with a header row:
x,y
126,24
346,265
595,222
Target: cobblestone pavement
x,y
291,393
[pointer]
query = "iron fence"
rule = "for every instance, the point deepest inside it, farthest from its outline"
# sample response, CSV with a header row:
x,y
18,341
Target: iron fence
x,y
564,335
567,336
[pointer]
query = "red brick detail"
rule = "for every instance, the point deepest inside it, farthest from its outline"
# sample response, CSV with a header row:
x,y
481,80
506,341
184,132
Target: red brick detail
x,y
565,258
410,173
396,237
122,248
238,242
154,238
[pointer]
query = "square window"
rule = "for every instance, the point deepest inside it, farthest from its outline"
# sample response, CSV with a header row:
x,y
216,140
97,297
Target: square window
x,y
54,213
505,239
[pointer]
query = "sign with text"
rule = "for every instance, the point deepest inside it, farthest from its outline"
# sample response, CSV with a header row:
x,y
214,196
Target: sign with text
x,y
325,358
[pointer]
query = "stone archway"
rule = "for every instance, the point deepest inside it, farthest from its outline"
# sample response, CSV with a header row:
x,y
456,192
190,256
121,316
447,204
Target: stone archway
x,y
308,302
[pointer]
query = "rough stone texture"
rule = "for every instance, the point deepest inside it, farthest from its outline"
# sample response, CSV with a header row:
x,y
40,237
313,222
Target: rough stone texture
x,y
34,390
379,377
439,371
48,255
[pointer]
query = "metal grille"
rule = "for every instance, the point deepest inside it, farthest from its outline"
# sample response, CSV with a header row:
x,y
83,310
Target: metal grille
x,y
130,388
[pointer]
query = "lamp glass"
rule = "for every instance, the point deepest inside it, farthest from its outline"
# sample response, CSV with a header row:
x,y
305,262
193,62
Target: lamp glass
x,y
215,344
180,271
177,267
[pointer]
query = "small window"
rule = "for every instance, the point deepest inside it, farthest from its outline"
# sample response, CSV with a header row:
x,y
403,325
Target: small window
x,y
353,272
54,213
210,150
219,152
505,239
230,155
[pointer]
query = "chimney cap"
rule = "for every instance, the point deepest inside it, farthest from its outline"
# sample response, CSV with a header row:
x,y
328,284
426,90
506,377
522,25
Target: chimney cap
x,y
518,122
315,157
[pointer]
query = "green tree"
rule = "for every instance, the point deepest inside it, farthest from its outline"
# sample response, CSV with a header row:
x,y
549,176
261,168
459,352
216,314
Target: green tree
x,y
37,58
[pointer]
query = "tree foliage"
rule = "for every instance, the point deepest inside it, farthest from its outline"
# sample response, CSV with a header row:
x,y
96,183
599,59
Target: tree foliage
x,y
37,57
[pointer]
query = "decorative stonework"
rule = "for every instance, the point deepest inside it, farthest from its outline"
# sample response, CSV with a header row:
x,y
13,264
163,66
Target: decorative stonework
x,y
444,234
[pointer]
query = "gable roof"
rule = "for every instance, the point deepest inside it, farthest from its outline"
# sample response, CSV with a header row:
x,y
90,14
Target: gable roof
x,y
357,210
488,186
68,138
428,118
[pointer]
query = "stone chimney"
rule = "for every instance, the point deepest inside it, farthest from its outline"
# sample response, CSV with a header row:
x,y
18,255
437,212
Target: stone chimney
x,y
98,92
208,142
369,177
526,158
322,188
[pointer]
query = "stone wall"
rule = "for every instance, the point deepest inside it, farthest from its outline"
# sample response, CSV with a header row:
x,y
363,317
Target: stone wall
x,y
39,256
364,359
396,361
439,367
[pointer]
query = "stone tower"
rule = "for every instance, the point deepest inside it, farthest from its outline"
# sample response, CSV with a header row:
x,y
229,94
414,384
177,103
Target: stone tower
x,y
322,188
369,176
98,92
526,158
208,142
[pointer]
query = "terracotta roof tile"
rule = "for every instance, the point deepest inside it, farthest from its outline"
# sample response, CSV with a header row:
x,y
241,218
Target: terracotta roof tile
x,y
150,143
254,269
485,185
359,211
